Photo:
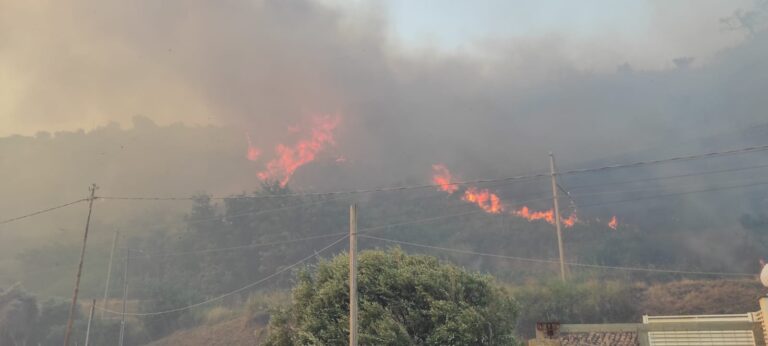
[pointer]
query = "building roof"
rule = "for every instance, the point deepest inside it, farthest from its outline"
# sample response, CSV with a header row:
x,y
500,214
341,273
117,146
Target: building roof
x,y
599,339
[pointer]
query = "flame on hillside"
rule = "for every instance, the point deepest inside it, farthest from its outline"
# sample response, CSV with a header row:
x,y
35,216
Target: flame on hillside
x,y
290,158
613,224
529,215
547,215
442,176
490,202
570,221
484,199
253,152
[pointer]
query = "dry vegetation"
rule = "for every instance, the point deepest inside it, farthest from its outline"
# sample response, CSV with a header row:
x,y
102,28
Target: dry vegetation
x,y
673,298
230,333
690,297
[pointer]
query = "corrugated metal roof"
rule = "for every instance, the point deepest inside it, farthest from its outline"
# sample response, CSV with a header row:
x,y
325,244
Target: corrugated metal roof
x,y
747,317
600,339
702,338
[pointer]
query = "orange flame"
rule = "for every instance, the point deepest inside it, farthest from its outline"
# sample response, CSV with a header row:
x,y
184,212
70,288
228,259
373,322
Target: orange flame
x,y
527,214
570,221
547,215
442,176
490,202
253,152
613,224
304,151
484,199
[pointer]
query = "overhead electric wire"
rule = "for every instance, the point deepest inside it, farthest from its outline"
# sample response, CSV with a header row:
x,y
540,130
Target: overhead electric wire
x,y
265,211
401,188
720,188
552,261
42,211
250,246
252,284
458,183
662,188
360,230
672,159
694,174
341,192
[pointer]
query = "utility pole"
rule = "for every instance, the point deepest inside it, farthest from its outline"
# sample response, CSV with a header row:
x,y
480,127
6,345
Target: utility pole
x,y
90,319
125,294
73,306
558,227
109,274
353,275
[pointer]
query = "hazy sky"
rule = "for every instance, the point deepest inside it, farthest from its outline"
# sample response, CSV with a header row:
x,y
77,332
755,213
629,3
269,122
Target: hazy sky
x,y
82,64
642,32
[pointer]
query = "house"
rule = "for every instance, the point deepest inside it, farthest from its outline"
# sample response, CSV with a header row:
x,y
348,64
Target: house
x,y
747,329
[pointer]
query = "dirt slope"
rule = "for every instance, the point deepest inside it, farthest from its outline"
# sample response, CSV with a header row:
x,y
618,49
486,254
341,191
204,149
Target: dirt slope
x,y
230,333
689,297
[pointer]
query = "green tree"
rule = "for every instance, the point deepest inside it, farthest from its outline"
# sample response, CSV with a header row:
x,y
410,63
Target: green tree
x,y
575,302
404,300
161,298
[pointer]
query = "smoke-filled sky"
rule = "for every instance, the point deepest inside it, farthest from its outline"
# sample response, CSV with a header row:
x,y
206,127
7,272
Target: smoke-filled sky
x,y
83,63
487,88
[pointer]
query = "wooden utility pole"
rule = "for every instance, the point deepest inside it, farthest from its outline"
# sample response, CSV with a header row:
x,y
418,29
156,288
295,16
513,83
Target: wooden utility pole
x,y
353,275
109,274
90,319
558,227
125,295
73,306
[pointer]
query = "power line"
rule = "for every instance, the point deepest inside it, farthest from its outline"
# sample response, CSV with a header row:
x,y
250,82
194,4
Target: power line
x,y
42,211
458,183
549,261
251,246
655,188
260,212
315,254
361,230
694,174
402,188
332,193
672,159
720,188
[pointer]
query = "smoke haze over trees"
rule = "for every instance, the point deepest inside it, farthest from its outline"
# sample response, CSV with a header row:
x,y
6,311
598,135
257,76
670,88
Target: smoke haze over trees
x,y
178,98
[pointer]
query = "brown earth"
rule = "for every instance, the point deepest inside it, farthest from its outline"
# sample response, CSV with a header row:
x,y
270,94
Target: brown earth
x,y
234,332
689,297
685,297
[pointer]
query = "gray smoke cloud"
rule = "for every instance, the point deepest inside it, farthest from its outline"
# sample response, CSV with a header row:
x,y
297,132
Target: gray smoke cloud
x,y
263,66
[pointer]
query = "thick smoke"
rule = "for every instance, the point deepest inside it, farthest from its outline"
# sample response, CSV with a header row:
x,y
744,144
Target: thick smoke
x,y
259,67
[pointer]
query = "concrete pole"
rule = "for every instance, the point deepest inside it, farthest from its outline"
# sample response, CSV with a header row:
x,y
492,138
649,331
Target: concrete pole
x,y
353,275
558,226
90,319
109,274
125,295
73,305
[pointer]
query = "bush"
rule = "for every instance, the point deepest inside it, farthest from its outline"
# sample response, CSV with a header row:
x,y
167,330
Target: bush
x,y
403,300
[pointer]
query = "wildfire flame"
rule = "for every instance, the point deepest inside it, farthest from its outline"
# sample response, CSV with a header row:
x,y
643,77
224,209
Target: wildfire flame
x,y
290,158
547,215
613,224
490,202
570,221
527,214
253,152
484,199
442,176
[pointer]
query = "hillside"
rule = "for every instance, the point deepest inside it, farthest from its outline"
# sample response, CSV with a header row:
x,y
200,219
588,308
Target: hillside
x,y
234,332
683,297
